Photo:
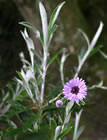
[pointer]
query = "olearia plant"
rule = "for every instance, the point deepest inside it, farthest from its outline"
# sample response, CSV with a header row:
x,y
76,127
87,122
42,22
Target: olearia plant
x,y
40,116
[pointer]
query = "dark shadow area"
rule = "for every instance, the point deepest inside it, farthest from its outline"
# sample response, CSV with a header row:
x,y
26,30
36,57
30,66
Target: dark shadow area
x,y
11,41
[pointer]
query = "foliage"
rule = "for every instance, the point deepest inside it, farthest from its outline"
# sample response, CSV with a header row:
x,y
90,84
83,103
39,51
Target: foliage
x,y
27,110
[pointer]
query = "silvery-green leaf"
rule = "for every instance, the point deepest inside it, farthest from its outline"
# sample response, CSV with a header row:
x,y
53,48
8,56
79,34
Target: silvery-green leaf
x,y
57,132
68,107
67,118
97,35
85,36
55,15
78,115
28,40
20,75
95,50
25,62
19,81
103,54
81,55
38,68
4,99
54,57
25,83
12,124
63,59
101,83
80,131
29,75
4,110
21,55
30,45
51,32
23,75
44,22
65,132
38,55
28,25
91,46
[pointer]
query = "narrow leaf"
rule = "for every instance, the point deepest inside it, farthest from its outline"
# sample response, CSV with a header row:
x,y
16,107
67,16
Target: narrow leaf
x,y
85,36
80,131
44,22
103,54
95,50
65,132
55,15
57,132
67,118
68,107
30,45
30,26
38,55
20,75
82,53
54,57
52,30
97,35
78,115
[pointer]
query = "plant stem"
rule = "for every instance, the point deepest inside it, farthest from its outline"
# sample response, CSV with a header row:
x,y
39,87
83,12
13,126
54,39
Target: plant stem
x,y
44,65
82,62
54,99
97,86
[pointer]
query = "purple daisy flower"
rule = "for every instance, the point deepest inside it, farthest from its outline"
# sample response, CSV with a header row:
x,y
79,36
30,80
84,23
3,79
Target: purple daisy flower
x,y
75,90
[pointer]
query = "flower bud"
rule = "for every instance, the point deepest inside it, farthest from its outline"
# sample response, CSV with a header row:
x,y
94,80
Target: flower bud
x,y
59,103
